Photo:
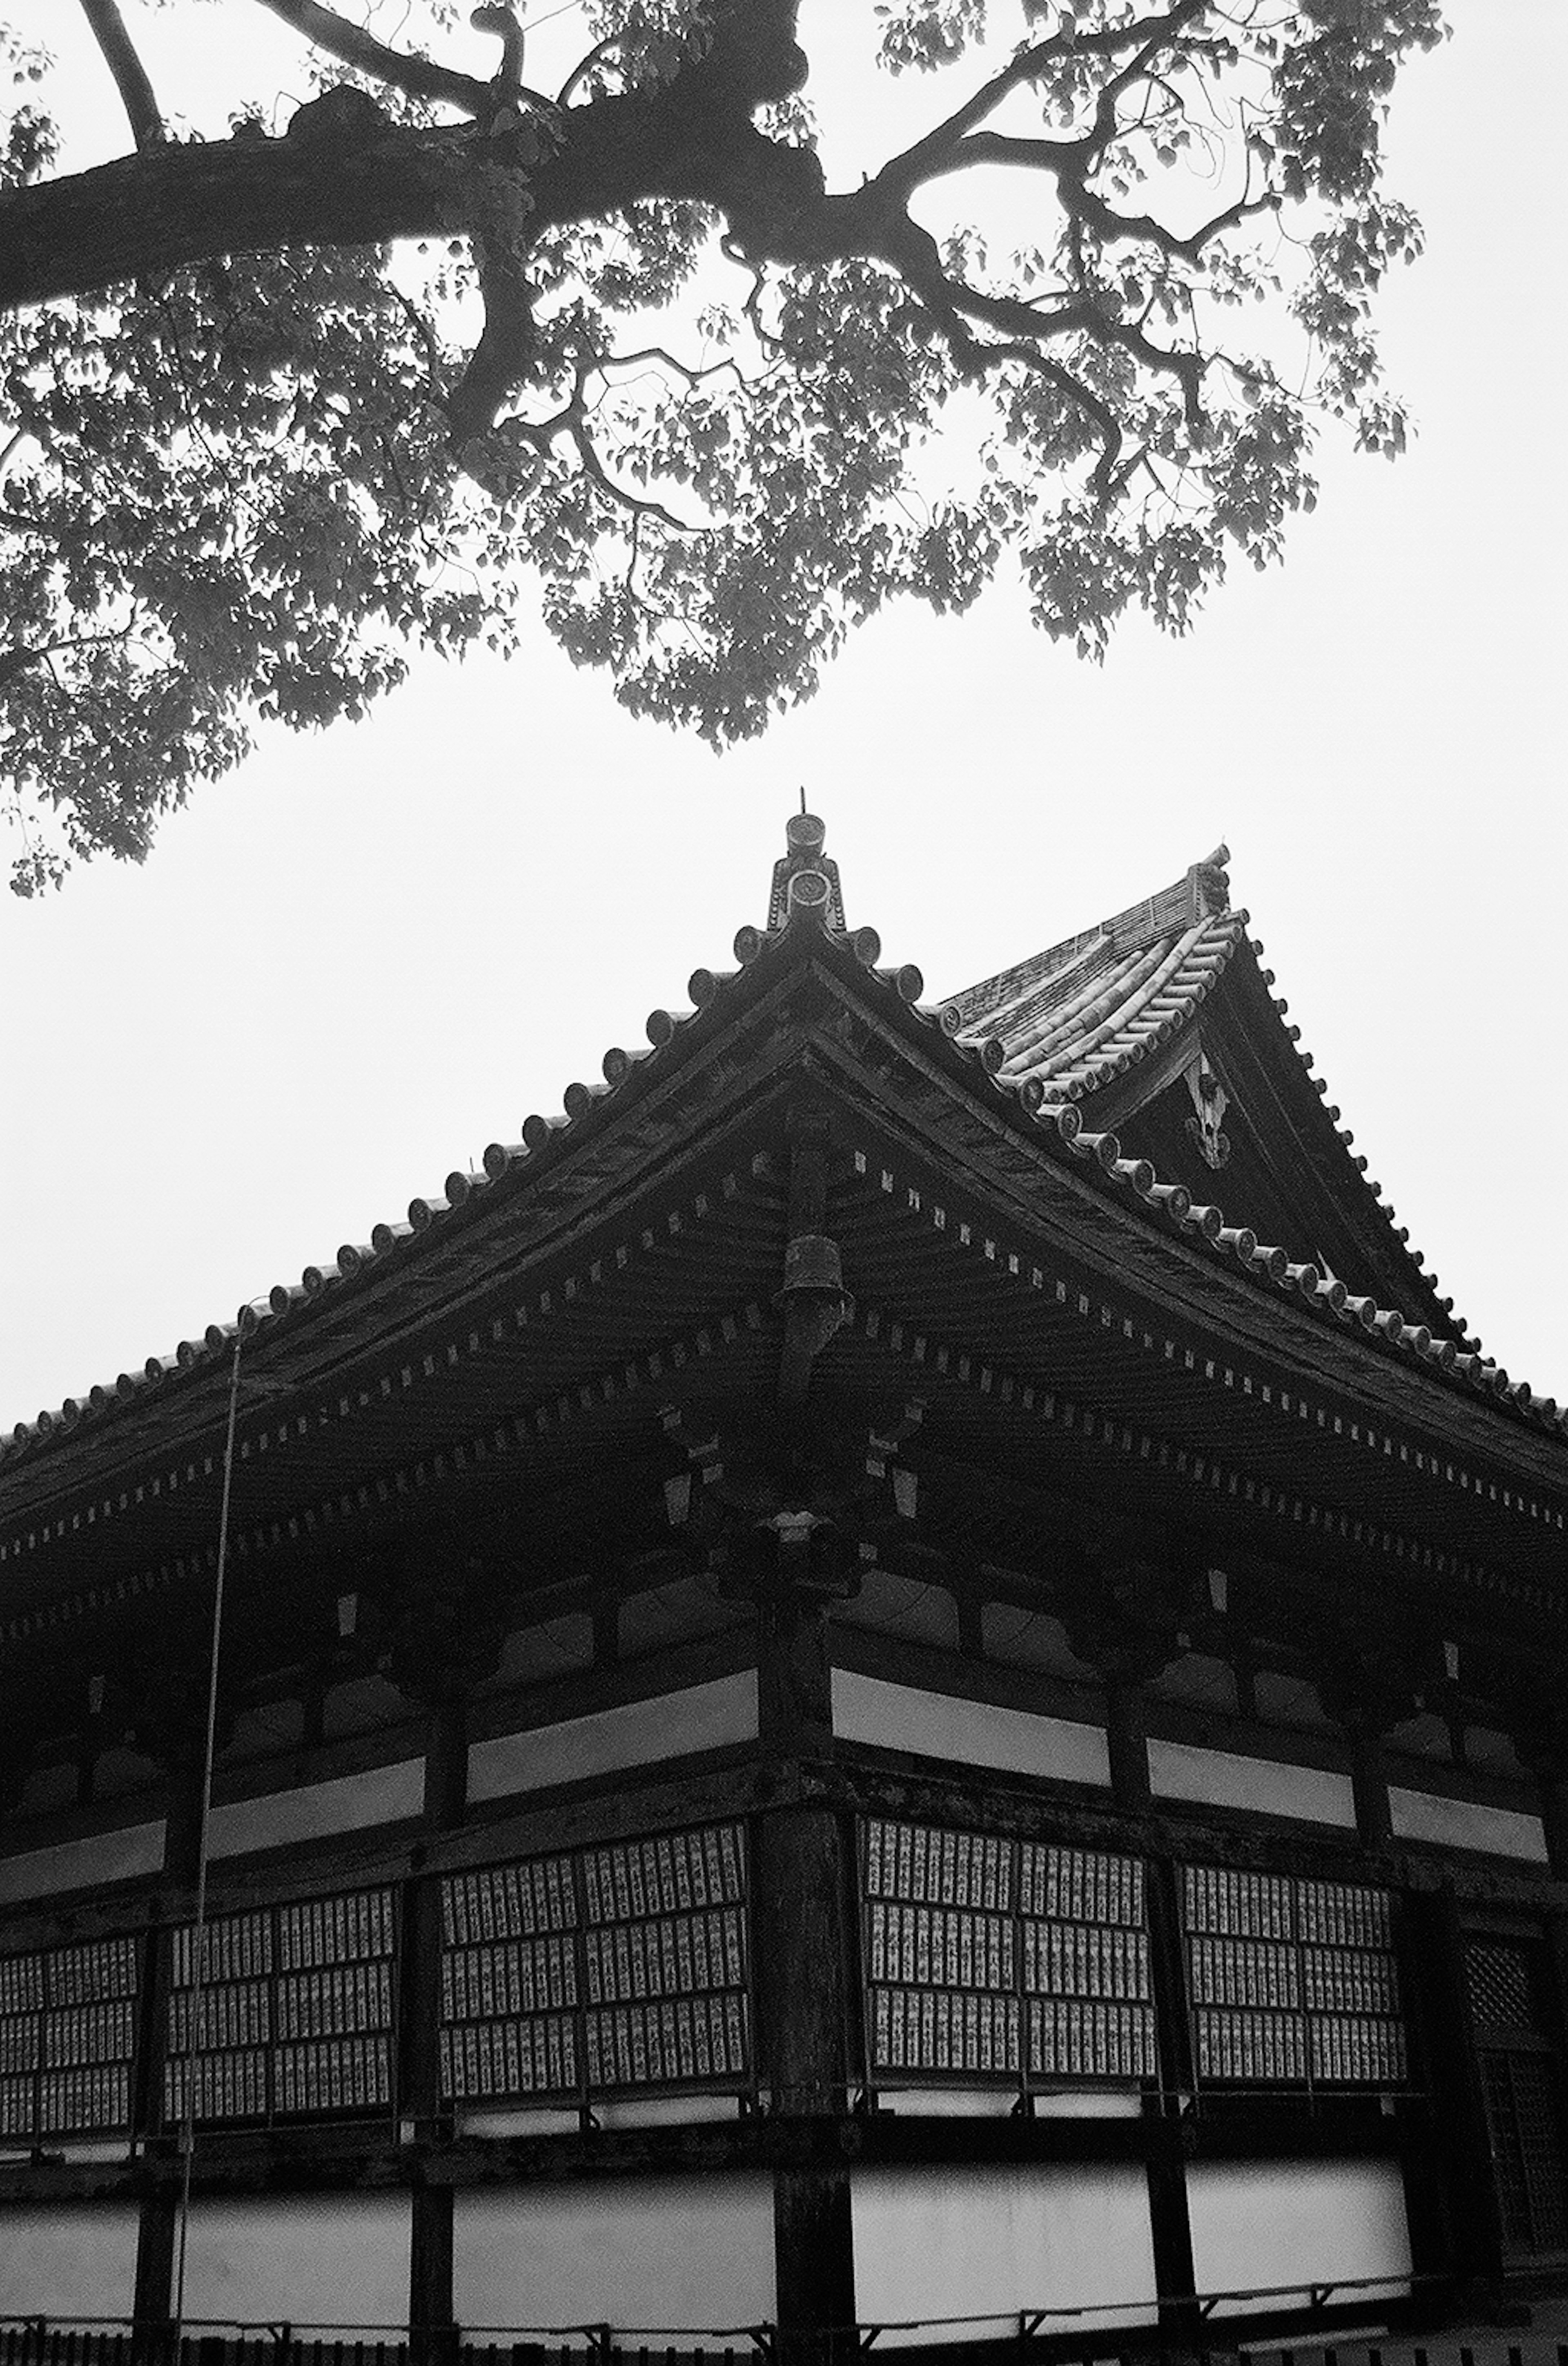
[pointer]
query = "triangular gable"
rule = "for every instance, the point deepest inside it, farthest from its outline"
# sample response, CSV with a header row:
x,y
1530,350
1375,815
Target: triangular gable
x,y
1160,1025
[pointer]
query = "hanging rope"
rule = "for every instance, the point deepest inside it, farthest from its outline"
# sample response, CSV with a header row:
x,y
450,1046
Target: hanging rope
x,y
199,1934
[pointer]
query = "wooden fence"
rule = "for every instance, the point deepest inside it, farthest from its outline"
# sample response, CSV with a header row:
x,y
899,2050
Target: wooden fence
x,y
36,2341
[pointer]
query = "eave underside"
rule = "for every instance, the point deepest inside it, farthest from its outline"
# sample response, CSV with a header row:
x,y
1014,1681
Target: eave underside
x,y
1052,1340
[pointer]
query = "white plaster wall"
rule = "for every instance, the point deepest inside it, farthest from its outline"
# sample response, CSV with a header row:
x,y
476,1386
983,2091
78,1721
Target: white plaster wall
x,y
999,2102
311,2258
74,2263
381,1795
660,2253
1257,2224
637,1733
1220,1778
970,1733
83,1864
988,2242
1464,1824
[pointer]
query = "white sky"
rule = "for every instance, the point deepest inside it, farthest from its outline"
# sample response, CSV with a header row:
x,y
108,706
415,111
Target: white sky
x,y
350,966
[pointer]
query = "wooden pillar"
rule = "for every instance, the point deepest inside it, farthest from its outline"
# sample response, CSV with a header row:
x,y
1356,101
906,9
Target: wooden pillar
x,y
1451,2190
804,1947
431,2326
183,1815
1124,1617
432,2333
1170,2223
447,1762
1127,1745
1554,1783
445,1627
168,1721
1368,1684
1368,1785
153,2306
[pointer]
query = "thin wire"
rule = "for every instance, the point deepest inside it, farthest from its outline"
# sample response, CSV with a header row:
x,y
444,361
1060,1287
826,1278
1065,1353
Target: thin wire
x,y
532,24
199,1934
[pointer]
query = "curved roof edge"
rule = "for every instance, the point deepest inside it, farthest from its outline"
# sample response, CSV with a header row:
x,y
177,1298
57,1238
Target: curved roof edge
x,y
807,909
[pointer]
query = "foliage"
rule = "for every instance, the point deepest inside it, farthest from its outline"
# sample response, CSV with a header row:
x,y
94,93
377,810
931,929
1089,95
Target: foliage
x,y
276,407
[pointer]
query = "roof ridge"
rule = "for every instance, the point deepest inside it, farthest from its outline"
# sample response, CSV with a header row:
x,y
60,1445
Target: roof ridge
x,y
1202,892
808,906
1344,1138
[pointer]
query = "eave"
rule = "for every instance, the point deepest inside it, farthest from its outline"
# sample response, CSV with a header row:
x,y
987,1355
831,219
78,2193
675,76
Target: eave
x,y
504,1338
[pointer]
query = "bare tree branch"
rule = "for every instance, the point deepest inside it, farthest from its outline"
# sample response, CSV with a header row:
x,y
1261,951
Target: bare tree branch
x,y
353,46
1059,157
130,74
1150,34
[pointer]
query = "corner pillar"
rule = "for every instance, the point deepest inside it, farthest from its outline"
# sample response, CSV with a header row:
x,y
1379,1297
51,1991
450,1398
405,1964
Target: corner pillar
x,y
803,1922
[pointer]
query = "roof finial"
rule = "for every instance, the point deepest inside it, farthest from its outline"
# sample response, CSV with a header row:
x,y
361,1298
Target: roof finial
x,y
805,881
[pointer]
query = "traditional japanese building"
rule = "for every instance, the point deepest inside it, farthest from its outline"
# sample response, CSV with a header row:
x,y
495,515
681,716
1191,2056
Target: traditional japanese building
x,y
904,1668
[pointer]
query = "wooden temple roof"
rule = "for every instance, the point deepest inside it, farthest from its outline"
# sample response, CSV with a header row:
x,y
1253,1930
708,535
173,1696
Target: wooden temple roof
x,y
1161,1024
1034,1279
1085,1012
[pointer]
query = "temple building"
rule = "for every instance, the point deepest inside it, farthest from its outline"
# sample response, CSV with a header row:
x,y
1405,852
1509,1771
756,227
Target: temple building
x,y
902,1670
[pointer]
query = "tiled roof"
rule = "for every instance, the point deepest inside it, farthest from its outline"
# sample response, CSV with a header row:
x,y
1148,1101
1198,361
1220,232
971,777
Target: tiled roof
x,y
1084,1011
1079,1017
1189,920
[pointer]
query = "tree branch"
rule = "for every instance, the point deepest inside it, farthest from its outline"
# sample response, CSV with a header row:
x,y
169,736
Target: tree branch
x,y
1147,34
1020,320
19,524
322,185
353,46
1055,156
131,77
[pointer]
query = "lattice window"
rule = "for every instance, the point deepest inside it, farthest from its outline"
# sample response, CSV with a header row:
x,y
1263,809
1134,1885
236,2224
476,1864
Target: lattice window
x,y
68,2039
1526,2148
1497,1981
990,1958
1292,1982
611,1968
292,2016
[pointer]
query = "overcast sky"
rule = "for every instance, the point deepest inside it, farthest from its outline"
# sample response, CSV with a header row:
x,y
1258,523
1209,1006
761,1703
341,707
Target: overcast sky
x,y
352,966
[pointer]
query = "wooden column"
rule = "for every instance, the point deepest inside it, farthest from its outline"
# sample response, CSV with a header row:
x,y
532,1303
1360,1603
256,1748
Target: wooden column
x,y
445,1630
1369,1684
1554,1819
152,2305
1539,1732
1170,2221
803,1939
1456,2217
1127,1745
1368,1785
166,1716
1124,1617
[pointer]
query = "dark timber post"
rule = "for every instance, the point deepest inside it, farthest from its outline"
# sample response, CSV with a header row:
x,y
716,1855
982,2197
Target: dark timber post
x,y
1124,1620
1457,2214
1127,1746
803,1993
1170,2222
801,1877
168,1723
446,1632
1368,1784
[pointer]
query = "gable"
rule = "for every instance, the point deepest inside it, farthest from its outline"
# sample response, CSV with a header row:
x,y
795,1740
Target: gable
x,y
1160,1026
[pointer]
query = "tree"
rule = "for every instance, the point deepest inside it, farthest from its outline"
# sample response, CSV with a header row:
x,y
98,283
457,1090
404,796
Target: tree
x,y
277,405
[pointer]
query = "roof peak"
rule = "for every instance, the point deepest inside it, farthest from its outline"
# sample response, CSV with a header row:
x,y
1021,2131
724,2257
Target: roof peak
x,y
805,878
1203,893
